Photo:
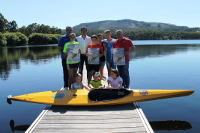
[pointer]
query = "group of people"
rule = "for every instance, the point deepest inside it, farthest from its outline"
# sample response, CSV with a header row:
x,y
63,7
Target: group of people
x,y
73,71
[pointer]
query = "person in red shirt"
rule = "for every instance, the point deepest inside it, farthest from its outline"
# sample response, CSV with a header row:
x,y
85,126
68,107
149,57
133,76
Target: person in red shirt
x,y
128,46
94,67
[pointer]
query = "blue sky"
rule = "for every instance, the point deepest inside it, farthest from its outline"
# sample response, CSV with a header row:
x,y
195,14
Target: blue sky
x,y
60,13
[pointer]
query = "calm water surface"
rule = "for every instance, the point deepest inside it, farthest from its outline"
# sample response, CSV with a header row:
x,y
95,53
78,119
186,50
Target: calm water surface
x,y
162,64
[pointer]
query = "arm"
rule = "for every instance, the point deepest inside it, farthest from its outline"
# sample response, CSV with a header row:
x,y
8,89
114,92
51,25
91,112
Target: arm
x,y
109,84
85,87
91,87
130,51
65,54
59,48
102,86
120,85
72,86
60,43
102,52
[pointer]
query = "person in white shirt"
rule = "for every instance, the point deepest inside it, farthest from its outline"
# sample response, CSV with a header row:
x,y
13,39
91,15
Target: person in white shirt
x,y
84,41
114,81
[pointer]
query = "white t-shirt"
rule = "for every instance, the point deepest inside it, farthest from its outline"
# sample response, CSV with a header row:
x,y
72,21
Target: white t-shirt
x,y
83,43
115,83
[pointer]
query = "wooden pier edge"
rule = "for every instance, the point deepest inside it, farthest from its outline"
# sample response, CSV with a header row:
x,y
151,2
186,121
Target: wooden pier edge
x,y
143,118
37,120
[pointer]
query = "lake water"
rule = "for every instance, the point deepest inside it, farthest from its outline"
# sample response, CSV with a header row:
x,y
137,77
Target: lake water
x,y
157,64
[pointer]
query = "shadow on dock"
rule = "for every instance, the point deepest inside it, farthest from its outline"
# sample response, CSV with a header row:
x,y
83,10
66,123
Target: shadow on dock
x,y
64,109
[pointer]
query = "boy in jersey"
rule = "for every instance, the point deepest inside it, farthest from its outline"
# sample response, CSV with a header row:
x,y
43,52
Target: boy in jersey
x,y
108,45
94,67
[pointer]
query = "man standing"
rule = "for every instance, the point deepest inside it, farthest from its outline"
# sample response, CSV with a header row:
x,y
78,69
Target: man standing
x,y
64,39
84,41
128,46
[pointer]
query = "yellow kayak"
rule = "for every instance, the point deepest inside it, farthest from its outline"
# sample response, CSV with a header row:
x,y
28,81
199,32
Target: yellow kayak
x,y
82,97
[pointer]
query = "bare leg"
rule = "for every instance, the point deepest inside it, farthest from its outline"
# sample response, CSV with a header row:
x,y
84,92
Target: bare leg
x,y
101,72
109,70
70,72
74,74
90,76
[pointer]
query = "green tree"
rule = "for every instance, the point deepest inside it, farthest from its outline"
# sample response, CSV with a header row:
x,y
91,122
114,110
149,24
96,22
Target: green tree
x,y
12,26
3,23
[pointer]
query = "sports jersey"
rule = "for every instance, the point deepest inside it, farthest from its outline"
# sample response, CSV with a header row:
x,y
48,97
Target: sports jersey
x,y
124,43
108,47
96,84
95,46
65,49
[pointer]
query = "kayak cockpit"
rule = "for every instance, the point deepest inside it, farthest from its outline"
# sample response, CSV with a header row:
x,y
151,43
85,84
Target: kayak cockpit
x,y
107,94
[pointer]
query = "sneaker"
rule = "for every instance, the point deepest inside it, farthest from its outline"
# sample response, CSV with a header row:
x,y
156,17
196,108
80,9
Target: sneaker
x,y
64,88
104,78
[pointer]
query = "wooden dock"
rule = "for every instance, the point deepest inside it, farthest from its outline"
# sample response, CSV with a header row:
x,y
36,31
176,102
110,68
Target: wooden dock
x,y
115,118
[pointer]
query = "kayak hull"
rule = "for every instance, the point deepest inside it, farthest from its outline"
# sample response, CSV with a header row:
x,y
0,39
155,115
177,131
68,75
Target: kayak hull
x,y
82,97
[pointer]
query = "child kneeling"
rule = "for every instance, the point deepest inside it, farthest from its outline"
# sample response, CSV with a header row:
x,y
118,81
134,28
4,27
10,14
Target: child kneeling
x,y
96,83
114,81
78,84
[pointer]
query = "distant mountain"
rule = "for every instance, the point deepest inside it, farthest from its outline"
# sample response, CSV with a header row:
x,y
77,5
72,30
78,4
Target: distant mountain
x,y
125,24
128,24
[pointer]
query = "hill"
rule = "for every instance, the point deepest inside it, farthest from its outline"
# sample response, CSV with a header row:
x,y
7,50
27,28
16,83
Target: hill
x,y
128,24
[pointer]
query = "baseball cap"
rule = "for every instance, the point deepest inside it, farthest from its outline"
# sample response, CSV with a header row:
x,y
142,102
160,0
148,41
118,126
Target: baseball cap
x,y
96,74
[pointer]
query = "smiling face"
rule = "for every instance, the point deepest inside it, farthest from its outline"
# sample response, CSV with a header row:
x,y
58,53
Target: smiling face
x,y
119,35
78,79
113,75
94,41
72,38
100,38
96,78
68,31
108,35
83,31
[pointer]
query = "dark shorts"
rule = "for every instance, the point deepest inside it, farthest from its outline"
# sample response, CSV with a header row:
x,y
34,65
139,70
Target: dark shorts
x,y
71,66
93,67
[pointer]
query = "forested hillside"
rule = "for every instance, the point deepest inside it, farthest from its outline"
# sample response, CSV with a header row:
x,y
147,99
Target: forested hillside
x,y
132,25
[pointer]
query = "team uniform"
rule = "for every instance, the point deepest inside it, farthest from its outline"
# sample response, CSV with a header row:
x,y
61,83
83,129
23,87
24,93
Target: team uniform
x,y
108,48
124,69
70,65
96,84
93,66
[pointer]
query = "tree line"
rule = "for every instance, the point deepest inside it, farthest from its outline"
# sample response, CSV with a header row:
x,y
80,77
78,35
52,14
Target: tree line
x,y
6,26
149,35
11,35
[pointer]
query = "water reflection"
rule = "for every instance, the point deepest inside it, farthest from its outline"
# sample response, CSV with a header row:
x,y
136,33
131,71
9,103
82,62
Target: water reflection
x,y
170,125
11,57
143,51
19,127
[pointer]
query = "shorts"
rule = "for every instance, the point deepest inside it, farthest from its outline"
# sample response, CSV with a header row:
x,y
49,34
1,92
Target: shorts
x,y
71,66
93,67
110,64
103,63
